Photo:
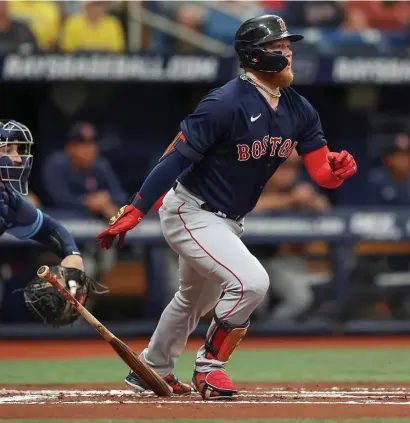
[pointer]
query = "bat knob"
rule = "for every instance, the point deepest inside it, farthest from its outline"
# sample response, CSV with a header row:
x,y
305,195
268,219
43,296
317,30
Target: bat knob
x,y
43,271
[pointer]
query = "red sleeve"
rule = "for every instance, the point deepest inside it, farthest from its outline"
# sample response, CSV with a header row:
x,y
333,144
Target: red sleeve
x,y
158,203
317,165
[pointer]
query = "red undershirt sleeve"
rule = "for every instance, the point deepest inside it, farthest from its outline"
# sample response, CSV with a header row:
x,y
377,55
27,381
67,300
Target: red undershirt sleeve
x,y
319,170
158,203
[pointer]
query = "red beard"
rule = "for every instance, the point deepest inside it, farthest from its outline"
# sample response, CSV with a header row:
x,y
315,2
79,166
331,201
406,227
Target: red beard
x,y
282,79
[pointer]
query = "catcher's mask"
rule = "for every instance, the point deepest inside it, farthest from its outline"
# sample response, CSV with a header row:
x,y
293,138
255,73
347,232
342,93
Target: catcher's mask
x,y
16,159
44,301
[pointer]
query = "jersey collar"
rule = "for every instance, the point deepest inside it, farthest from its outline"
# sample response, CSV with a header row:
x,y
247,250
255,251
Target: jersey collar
x,y
257,94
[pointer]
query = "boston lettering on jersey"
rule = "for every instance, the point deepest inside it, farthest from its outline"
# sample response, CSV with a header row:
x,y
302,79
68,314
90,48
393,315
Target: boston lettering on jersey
x,y
269,145
237,141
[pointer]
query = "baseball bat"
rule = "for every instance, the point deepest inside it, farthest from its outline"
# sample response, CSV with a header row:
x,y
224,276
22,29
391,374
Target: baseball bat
x,y
147,375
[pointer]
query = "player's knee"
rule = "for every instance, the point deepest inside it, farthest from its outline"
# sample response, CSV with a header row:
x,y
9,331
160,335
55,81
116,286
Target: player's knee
x,y
256,284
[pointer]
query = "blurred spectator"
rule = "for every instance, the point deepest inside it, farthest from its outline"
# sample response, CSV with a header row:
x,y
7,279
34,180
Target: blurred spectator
x,y
189,14
79,180
290,189
383,15
245,9
287,190
315,14
42,17
390,184
14,35
274,6
93,30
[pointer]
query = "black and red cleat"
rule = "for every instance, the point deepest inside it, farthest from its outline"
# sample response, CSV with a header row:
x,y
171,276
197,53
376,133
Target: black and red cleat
x,y
178,387
214,385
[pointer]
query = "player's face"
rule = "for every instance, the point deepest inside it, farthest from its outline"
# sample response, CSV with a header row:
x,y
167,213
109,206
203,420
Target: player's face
x,y
12,151
284,78
398,162
95,9
83,154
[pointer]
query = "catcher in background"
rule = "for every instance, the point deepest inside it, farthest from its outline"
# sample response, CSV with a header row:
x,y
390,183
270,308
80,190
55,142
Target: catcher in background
x,y
21,219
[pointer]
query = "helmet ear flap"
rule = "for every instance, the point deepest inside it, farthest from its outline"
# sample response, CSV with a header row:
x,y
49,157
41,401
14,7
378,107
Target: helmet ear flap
x,y
243,56
249,57
256,55
262,60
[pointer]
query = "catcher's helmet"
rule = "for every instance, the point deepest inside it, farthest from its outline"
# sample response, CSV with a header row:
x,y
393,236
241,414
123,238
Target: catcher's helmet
x,y
253,34
15,175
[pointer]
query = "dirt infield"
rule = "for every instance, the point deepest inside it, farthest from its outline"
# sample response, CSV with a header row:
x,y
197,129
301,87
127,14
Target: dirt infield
x,y
316,400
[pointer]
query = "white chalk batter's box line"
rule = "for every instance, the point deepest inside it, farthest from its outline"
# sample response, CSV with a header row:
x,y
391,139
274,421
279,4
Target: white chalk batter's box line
x,y
243,393
37,394
257,393
159,403
346,397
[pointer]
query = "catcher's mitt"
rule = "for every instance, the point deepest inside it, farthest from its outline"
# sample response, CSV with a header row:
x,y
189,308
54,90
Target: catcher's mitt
x,y
46,302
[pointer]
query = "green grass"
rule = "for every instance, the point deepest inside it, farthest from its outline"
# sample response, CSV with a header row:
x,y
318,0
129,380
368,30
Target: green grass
x,y
216,421
288,365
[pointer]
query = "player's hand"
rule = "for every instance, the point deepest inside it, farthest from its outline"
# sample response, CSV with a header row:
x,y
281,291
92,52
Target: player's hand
x,y
126,219
74,261
342,164
97,201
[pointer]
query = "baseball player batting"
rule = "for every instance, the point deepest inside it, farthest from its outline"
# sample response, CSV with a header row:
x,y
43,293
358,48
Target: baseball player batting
x,y
213,174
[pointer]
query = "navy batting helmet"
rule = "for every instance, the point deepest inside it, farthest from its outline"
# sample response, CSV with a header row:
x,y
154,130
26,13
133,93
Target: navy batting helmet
x,y
253,34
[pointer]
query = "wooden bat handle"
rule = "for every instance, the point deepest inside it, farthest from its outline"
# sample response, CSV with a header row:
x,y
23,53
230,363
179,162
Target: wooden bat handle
x,y
45,273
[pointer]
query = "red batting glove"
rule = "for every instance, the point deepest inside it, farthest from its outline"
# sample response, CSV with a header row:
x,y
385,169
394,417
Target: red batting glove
x,y
126,219
342,164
